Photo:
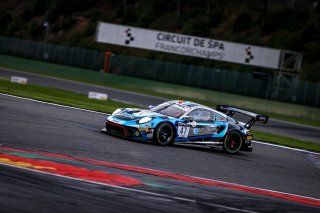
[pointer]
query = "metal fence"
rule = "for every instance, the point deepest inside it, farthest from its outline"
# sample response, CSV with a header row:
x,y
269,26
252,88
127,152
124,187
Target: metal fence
x,y
244,83
71,56
203,77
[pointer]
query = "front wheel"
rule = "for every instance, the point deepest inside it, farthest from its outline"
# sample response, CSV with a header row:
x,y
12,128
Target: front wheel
x,y
232,142
163,134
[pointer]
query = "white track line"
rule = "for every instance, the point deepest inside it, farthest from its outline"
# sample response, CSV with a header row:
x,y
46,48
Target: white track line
x,y
128,189
286,147
52,104
91,111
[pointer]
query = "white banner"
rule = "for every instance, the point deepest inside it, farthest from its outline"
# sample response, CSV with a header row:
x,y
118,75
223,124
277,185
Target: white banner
x,y
19,80
187,45
98,96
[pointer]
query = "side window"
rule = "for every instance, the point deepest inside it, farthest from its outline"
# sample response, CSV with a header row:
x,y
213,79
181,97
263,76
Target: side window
x,y
201,115
218,117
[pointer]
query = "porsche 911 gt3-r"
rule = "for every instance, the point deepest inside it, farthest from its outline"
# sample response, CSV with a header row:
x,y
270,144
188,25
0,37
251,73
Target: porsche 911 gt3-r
x,y
185,122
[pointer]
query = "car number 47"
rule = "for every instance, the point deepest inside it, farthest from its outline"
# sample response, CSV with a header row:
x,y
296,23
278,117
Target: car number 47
x,y
183,131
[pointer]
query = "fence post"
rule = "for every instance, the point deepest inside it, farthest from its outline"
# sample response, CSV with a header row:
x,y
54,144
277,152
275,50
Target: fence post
x,y
107,61
317,96
305,93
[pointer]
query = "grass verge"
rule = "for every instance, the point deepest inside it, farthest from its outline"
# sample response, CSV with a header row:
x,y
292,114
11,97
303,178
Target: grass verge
x,y
82,101
59,97
277,110
286,141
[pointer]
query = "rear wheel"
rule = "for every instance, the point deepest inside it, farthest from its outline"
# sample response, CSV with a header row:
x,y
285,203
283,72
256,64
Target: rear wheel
x,y
232,142
163,134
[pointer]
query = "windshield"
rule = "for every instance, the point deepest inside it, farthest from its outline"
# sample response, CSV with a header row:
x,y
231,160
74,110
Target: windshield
x,y
169,110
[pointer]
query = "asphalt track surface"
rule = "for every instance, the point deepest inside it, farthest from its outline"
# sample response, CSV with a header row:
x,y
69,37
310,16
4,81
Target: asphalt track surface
x,y
39,127
298,131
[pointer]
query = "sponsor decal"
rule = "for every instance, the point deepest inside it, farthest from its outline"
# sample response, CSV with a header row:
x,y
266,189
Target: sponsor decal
x,y
204,130
147,130
195,131
193,124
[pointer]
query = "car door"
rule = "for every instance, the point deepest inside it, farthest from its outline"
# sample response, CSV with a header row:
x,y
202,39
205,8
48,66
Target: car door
x,y
201,126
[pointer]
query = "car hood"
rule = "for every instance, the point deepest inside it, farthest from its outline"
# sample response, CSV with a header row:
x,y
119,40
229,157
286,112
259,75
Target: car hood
x,y
134,114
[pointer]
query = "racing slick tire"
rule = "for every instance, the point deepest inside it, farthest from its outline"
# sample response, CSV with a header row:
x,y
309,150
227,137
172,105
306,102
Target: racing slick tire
x,y
232,142
163,134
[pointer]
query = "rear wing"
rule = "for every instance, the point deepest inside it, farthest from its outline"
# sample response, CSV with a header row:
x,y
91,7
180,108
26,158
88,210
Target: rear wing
x,y
230,111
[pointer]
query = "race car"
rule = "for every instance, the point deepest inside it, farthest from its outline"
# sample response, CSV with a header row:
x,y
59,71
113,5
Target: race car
x,y
186,122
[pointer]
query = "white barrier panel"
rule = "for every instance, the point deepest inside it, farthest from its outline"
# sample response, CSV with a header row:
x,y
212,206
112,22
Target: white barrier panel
x,y
19,80
98,96
188,45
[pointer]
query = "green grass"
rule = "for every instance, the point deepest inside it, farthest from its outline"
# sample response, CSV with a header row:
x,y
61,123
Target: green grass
x,y
79,100
282,111
59,96
287,141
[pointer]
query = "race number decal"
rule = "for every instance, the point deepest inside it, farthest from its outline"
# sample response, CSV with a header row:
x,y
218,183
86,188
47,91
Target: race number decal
x,y
183,131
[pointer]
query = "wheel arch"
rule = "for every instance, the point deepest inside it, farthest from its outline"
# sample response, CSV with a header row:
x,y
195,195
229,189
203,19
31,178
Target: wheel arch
x,y
234,127
232,131
172,125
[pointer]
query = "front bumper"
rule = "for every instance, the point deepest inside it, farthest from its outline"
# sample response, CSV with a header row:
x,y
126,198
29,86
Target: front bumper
x,y
128,131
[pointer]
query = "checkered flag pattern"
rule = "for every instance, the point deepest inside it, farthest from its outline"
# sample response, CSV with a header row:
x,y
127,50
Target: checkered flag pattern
x,y
250,56
129,36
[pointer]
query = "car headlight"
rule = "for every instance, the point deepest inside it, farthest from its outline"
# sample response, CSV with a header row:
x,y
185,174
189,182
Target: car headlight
x,y
116,111
144,120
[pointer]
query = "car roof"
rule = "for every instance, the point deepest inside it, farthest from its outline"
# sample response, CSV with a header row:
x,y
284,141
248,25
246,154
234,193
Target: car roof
x,y
193,105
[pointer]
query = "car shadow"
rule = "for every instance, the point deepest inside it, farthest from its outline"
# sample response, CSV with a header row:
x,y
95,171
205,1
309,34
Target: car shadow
x,y
216,150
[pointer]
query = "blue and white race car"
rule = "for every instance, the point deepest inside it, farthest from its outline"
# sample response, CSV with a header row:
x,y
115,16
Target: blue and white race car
x,y
185,122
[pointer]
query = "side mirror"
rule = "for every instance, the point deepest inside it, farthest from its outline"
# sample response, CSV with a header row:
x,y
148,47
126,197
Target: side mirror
x,y
188,118
151,106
